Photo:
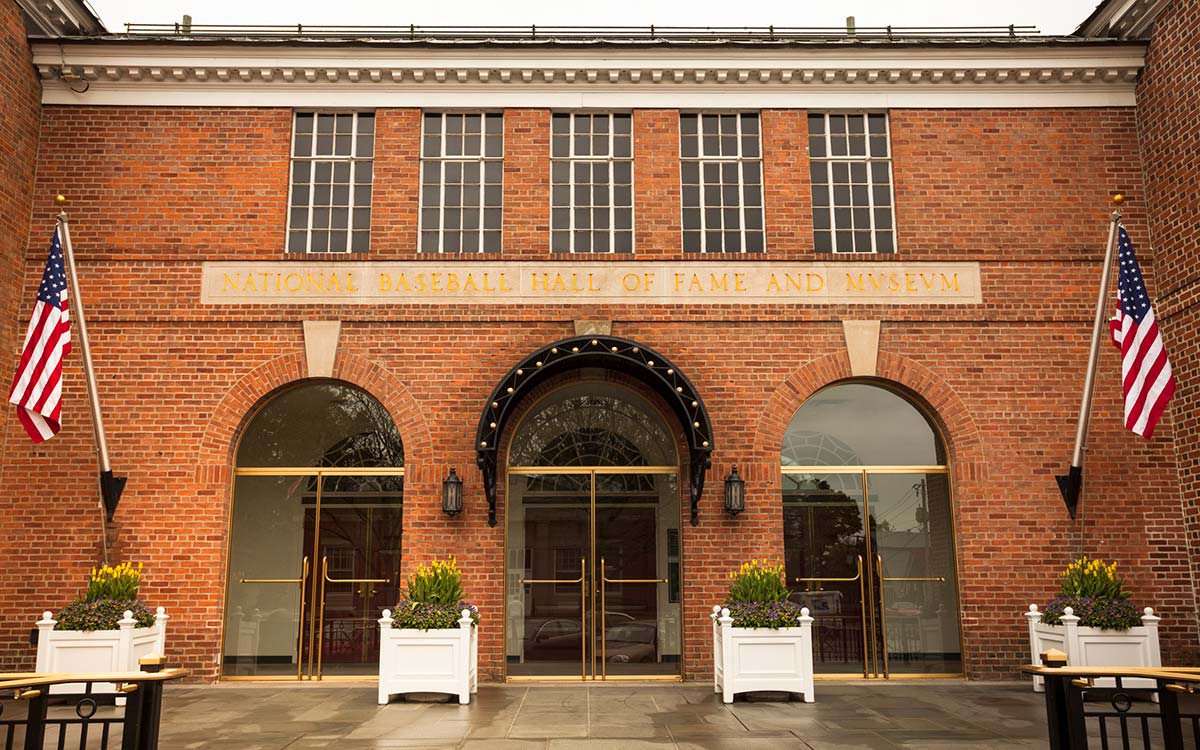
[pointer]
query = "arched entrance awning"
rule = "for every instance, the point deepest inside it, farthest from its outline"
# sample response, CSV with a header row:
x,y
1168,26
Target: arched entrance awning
x,y
610,353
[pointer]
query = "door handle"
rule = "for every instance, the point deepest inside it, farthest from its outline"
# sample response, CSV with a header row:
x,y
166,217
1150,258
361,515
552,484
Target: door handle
x,y
325,574
303,602
552,580
835,580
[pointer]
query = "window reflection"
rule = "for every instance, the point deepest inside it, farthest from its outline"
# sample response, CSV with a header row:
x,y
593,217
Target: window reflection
x,y
859,425
322,425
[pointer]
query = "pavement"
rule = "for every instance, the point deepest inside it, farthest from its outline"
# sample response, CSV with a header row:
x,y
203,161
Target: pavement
x,y
620,716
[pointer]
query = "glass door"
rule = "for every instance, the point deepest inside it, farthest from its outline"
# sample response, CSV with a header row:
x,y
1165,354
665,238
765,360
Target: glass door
x,y
826,546
871,554
637,618
912,550
270,576
315,559
354,534
593,574
549,541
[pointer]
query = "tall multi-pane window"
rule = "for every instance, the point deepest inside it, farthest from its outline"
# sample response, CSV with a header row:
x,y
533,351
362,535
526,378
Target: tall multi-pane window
x,y
851,163
462,168
330,206
721,172
591,174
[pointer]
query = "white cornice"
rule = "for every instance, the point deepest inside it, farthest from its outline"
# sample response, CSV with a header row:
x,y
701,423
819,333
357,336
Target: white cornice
x,y
353,76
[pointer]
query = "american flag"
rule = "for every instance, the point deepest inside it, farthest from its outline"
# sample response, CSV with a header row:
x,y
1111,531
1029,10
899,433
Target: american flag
x,y
1145,372
37,387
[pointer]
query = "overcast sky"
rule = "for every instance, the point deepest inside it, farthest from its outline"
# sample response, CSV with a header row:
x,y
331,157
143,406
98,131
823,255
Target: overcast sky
x,y
1050,16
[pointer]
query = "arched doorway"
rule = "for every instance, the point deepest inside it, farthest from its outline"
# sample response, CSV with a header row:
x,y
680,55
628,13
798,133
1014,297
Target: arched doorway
x,y
868,533
315,535
593,584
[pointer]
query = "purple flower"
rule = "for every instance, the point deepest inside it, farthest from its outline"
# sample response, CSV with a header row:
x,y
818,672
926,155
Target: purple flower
x,y
1105,614
431,616
772,615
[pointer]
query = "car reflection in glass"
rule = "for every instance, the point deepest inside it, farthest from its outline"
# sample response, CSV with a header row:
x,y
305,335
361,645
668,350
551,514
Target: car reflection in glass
x,y
625,639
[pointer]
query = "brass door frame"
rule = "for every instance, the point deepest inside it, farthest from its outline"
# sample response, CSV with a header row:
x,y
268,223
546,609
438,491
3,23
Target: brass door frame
x,y
872,570
592,472
320,475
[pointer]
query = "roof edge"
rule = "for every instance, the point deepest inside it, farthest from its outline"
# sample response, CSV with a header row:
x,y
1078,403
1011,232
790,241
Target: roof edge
x,y
180,40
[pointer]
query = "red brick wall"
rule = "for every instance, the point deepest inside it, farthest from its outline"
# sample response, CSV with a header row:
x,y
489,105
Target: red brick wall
x,y
1169,128
21,94
1003,378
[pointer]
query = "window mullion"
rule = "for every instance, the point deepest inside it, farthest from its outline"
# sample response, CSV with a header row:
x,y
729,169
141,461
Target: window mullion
x,y
612,192
312,195
701,165
571,161
479,208
352,184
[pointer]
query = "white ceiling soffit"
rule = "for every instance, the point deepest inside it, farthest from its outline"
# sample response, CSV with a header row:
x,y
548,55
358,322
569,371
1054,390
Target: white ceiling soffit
x,y
1076,75
59,18
1122,19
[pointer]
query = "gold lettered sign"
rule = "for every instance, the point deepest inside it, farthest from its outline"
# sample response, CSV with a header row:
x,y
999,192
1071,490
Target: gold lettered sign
x,y
530,283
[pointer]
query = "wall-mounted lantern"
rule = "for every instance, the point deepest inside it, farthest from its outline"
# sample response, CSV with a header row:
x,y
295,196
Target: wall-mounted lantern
x,y
452,494
735,493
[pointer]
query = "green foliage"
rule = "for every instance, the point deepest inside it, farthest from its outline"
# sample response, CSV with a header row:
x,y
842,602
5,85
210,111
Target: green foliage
x,y
440,582
757,582
1092,579
102,614
120,583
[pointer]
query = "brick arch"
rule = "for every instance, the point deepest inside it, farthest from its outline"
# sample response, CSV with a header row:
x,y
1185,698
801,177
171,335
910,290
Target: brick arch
x,y
232,415
958,429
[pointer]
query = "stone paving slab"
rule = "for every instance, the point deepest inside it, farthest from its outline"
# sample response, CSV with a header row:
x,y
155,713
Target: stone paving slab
x,y
626,716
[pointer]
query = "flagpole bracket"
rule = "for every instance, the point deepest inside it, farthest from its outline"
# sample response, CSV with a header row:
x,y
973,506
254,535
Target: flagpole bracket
x,y
111,488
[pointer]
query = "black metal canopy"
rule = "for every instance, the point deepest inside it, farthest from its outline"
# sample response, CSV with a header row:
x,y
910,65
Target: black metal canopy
x,y
610,353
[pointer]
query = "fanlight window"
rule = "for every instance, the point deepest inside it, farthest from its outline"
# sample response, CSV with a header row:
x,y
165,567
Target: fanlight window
x,y
860,425
322,425
593,426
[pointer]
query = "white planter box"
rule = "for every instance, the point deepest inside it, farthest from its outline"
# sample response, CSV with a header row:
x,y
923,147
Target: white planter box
x,y
749,659
1092,647
428,661
80,651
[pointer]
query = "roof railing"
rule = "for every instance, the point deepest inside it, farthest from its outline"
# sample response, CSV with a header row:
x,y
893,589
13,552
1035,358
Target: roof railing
x,y
608,33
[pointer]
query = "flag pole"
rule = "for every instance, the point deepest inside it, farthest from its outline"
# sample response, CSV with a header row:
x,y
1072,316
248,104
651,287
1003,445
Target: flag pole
x,y
1071,483
110,486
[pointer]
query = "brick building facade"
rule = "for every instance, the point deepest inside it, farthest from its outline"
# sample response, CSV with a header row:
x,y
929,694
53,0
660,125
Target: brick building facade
x,y
1002,155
